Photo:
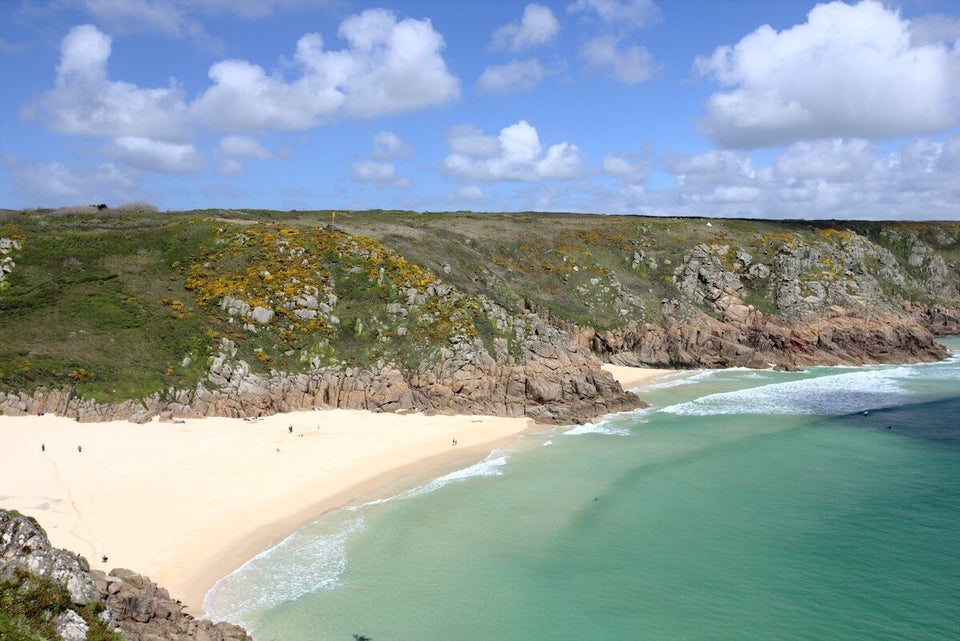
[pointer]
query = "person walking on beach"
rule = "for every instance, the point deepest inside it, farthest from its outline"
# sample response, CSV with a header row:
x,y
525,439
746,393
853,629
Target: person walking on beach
x,y
43,447
80,449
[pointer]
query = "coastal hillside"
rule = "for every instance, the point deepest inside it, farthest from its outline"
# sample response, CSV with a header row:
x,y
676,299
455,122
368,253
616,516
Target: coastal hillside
x,y
134,313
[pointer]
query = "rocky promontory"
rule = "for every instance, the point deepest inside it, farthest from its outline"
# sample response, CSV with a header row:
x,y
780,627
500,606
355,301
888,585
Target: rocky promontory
x,y
44,588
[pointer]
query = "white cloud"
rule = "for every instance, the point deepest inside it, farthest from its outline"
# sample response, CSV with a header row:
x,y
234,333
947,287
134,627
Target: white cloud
x,y
821,179
632,168
848,71
142,15
243,147
538,26
155,155
519,156
387,144
623,15
467,140
381,173
389,67
710,167
470,192
513,77
837,160
631,64
736,194
55,184
85,102
934,28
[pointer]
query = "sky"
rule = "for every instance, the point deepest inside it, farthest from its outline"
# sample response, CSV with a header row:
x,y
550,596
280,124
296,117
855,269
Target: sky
x,y
729,108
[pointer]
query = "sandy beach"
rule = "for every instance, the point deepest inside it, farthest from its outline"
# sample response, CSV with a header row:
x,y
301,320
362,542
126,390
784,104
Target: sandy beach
x,y
636,377
187,502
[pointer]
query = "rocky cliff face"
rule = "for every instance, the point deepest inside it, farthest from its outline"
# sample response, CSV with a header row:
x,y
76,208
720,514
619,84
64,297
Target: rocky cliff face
x,y
552,380
841,300
485,320
133,607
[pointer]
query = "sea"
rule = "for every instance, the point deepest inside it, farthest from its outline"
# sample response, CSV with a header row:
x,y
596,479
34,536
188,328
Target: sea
x,y
742,505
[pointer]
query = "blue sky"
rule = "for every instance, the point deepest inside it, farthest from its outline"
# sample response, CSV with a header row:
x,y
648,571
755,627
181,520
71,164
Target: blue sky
x,y
751,108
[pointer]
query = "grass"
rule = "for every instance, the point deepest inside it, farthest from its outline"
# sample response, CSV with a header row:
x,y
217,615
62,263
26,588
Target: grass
x,y
124,304
29,605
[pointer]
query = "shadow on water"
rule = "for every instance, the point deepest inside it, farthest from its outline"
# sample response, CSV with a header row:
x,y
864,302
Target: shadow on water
x,y
937,421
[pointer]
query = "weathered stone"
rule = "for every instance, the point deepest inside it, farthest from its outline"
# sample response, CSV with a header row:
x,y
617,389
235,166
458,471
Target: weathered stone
x,y
70,626
262,315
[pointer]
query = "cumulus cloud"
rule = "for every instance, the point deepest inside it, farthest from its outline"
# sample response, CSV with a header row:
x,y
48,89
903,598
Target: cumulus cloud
x,y
84,101
820,179
515,155
387,144
848,71
380,173
469,192
836,160
55,184
622,15
389,67
710,167
513,77
631,168
629,64
467,140
538,26
155,155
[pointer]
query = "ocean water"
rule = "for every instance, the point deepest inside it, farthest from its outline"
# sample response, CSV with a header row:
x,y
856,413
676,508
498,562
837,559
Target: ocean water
x,y
744,505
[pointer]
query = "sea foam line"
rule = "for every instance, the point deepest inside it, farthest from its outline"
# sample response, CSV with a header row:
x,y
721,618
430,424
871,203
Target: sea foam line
x,y
303,562
829,395
490,466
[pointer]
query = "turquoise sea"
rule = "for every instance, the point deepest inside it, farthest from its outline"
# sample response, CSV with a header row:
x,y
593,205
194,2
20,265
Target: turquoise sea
x,y
743,505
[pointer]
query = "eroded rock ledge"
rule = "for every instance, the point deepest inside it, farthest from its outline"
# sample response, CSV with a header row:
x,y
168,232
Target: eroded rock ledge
x,y
134,606
553,380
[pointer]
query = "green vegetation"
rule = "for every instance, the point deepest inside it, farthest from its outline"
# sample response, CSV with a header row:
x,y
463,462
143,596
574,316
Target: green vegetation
x,y
126,304
29,605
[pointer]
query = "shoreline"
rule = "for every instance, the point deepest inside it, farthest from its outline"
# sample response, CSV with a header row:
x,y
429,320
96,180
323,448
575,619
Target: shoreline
x,y
187,503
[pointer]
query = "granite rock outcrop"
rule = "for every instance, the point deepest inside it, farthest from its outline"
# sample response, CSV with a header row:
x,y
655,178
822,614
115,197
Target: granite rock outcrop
x,y
130,604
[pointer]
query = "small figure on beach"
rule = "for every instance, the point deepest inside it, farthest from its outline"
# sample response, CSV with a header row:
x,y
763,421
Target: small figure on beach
x,y
379,410
80,449
290,429
104,557
453,443
43,447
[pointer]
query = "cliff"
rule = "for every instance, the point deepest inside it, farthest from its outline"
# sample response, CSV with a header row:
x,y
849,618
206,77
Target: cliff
x,y
119,315
48,593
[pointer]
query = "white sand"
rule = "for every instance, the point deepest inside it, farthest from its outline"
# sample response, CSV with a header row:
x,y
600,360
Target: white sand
x,y
187,503
636,377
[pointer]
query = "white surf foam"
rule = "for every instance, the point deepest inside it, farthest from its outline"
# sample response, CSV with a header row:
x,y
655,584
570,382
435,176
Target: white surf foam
x,y
691,377
830,395
303,562
490,466
601,427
